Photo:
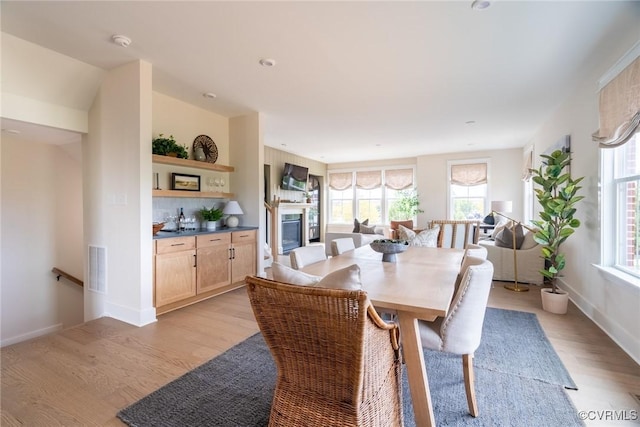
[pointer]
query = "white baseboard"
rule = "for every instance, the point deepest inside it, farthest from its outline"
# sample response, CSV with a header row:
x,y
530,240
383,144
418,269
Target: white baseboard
x,y
129,315
628,343
32,334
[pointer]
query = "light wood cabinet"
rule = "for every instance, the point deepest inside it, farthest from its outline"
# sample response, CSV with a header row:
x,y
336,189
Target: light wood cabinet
x,y
175,270
213,255
192,268
243,254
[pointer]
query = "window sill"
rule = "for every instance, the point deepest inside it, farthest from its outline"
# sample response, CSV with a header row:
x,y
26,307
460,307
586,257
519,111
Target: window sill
x,y
618,276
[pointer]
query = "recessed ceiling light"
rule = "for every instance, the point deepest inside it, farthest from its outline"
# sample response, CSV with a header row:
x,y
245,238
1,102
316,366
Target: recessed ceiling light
x,y
470,122
284,145
480,4
267,62
209,95
121,40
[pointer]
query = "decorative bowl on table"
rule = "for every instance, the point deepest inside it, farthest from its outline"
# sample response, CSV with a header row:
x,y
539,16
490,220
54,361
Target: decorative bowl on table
x,y
389,248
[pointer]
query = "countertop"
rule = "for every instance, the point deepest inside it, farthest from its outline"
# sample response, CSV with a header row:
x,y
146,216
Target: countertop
x,y
167,234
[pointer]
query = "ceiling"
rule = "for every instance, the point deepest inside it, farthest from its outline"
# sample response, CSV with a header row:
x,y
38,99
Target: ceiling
x,y
353,80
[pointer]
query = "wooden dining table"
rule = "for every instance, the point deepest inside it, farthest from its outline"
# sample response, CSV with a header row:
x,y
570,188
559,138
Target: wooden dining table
x,y
419,285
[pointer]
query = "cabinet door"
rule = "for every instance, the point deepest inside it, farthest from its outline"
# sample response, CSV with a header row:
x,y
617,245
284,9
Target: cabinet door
x,y
214,267
175,275
243,249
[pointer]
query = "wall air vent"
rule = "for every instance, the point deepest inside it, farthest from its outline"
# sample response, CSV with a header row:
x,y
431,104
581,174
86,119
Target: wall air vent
x,y
98,269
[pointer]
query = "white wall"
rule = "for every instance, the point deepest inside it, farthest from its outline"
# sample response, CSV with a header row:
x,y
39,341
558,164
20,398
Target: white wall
x,y
613,306
41,229
247,156
117,194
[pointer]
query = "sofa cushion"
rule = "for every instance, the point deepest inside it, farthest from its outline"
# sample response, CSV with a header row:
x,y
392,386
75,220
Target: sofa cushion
x,y
504,238
427,238
528,241
356,224
284,274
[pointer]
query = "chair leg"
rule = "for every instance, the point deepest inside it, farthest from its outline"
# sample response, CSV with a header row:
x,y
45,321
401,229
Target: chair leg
x,y
469,383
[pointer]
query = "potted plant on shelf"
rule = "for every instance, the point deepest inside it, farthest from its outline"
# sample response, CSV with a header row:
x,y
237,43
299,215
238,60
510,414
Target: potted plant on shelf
x,y
211,217
557,197
169,147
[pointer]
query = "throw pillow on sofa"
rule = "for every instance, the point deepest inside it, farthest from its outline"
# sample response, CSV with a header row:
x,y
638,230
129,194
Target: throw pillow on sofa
x,y
426,238
365,229
356,224
504,238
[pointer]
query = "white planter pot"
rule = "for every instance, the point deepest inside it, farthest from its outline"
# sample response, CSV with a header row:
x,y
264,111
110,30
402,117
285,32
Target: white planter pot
x,y
554,303
212,225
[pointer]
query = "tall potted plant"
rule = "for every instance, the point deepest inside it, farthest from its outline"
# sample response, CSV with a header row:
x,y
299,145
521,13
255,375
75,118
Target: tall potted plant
x,y
406,207
557,197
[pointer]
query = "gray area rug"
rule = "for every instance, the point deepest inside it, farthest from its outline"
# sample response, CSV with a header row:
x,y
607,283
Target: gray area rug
x,y
520,381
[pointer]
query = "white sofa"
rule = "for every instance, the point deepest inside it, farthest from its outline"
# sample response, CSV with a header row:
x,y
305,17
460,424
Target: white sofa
x,y
529,258
359,239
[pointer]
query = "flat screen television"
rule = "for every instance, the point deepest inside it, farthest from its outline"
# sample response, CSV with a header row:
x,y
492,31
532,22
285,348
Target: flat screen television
x,y
294,177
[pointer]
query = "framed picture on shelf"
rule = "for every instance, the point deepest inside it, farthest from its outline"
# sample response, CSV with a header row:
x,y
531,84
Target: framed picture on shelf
x,y
180,181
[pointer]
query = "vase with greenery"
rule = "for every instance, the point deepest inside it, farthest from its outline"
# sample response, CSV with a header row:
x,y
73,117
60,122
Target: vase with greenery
x,y
558,197
211,216
406,207
166,146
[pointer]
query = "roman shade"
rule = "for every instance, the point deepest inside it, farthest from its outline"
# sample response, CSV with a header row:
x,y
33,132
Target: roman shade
x,y
398,179
620,107
340,181
469,174
368,180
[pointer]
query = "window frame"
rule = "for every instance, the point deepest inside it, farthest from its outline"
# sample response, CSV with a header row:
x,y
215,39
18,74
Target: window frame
x,y
612,216
487,197
383,198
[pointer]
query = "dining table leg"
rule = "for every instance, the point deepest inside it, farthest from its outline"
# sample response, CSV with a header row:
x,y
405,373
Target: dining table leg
x,y
416,370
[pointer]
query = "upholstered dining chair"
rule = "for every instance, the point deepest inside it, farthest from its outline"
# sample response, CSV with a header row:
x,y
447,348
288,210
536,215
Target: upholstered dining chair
x,y
476,251
342,245
460,331
306,255
338,362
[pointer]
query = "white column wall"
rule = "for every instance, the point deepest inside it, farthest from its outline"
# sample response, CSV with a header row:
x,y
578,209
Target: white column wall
x,y
117,189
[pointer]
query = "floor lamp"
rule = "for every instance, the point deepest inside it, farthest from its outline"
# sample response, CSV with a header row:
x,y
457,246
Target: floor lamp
x,y
497,208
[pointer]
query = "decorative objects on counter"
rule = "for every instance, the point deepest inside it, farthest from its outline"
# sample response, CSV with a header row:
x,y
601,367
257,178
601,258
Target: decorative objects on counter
x,y
168,147
232,208
389,248
157,226
211,217
180,181
208,147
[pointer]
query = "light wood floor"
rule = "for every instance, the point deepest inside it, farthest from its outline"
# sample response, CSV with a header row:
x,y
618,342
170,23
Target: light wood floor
x,y
84,375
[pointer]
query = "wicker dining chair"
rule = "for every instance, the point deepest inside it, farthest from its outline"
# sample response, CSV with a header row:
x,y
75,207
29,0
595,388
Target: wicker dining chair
x,y
338,362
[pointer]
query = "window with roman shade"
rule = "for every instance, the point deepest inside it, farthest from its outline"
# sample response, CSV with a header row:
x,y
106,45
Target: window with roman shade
x,y
468,186
398,179
619,138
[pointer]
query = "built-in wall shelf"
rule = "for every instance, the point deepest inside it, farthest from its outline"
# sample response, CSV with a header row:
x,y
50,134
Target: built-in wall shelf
x,y
175,161
193,194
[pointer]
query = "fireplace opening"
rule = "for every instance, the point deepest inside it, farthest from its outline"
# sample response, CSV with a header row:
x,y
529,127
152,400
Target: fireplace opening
x,y
291,232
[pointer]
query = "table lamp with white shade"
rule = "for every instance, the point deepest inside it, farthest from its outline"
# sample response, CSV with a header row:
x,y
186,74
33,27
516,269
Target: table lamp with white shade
x,y
232,208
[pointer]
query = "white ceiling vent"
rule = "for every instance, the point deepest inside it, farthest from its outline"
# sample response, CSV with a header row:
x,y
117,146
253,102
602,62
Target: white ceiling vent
x,y
98,269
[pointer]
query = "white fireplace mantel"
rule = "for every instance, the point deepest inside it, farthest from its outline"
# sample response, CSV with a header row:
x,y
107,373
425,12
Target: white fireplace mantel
x,y
284,208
